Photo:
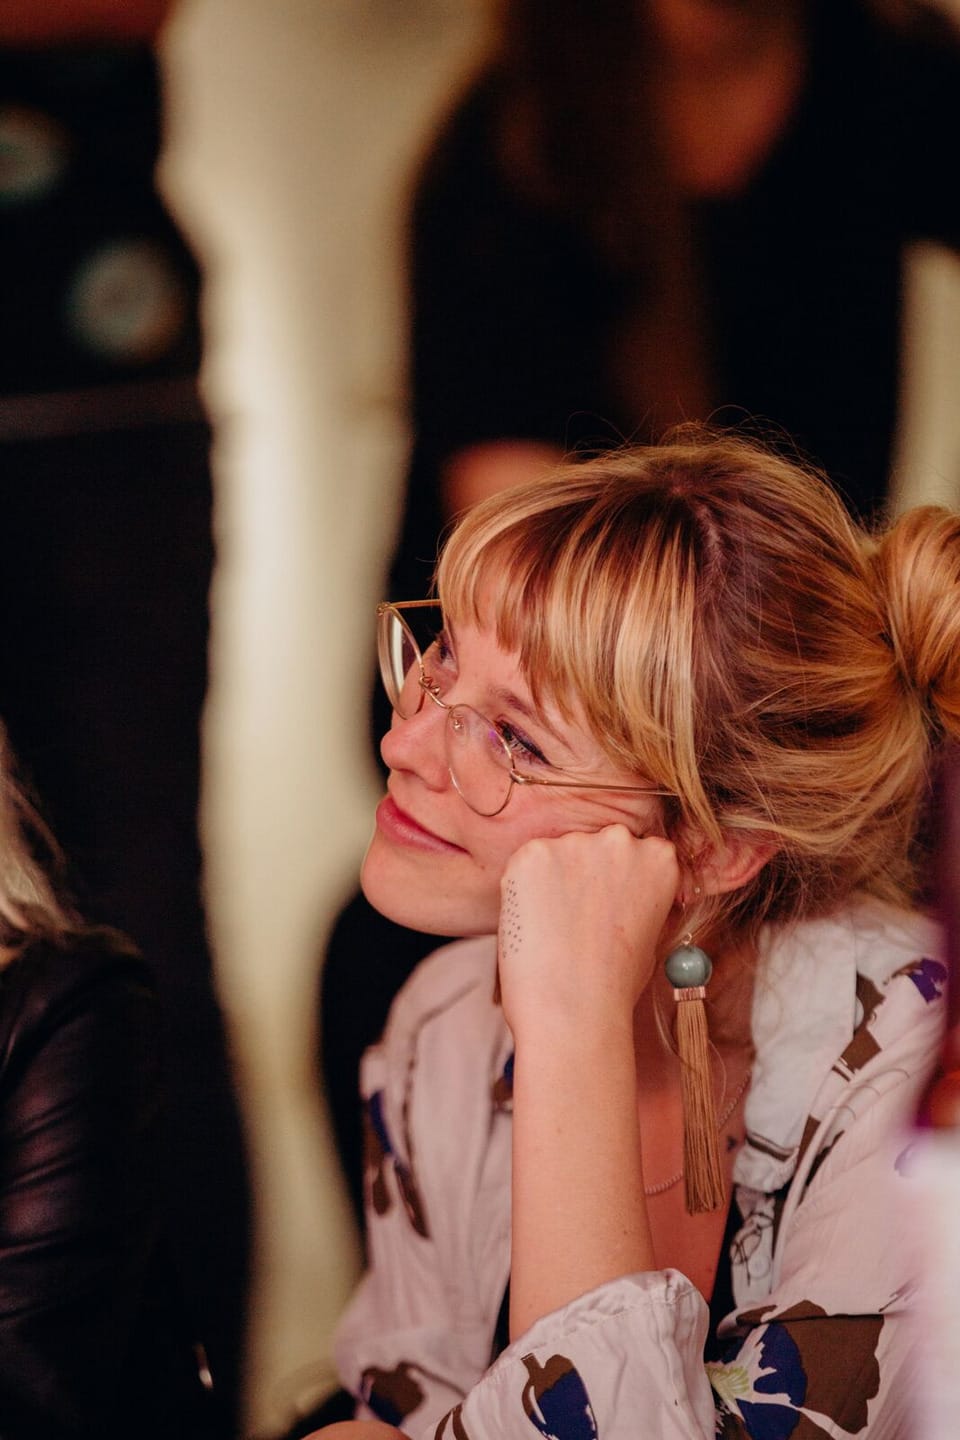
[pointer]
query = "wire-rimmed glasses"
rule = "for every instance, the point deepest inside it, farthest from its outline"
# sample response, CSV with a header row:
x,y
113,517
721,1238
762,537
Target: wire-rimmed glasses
x,y
482,765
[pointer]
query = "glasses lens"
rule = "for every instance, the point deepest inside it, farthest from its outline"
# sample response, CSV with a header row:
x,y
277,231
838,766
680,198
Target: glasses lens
x,y
478,760
399,663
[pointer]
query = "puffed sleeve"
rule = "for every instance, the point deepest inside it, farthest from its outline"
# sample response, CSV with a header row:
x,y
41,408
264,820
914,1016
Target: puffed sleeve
x,y
79,1185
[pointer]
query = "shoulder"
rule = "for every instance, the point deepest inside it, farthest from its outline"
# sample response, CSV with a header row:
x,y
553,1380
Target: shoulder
x,y
898,87
853,998
49,972
864,936
444,1044
465,136
847,1024
902,52
93,980
465,193
450,993
428,1086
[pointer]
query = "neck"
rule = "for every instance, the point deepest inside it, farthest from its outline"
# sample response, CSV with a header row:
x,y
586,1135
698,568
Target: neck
x,y
698,39
722,102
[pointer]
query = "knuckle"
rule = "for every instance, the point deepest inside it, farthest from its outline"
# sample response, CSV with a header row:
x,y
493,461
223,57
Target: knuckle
x,y
662,856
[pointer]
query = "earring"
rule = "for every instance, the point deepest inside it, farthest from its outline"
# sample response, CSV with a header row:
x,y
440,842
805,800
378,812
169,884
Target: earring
x,y
688,968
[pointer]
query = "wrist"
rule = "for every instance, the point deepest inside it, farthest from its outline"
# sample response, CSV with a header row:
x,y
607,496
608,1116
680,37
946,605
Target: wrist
x,y
555,1031
573,1068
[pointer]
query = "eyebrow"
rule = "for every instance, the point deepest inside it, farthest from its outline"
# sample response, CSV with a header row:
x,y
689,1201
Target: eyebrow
x,y
512,701
501,695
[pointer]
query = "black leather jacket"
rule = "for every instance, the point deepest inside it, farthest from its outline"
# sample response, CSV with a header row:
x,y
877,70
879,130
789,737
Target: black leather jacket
x,y
92,1338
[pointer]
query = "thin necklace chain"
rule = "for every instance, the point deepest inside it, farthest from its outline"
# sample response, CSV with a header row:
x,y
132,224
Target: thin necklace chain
x,y
665,1185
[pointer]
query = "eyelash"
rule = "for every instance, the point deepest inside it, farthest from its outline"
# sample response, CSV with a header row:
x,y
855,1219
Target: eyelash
x,y
518,743
444,648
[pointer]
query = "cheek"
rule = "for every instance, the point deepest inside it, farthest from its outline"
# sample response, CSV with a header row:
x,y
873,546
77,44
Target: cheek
x,y
498,846
492,855
589,815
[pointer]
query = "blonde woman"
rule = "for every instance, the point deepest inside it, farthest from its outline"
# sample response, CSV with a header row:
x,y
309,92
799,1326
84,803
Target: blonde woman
x,y
670,743
93,1340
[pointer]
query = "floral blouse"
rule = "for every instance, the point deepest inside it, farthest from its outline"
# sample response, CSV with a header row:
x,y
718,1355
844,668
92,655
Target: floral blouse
x,y
847,1016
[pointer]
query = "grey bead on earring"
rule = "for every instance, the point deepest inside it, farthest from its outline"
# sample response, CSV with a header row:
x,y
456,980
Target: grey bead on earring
x,y
688,966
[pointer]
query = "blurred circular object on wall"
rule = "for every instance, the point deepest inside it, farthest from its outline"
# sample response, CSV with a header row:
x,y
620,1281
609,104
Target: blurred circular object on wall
x,y
34,151
127,302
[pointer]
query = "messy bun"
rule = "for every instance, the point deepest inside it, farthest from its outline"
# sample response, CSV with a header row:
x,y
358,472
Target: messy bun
x,y
917,564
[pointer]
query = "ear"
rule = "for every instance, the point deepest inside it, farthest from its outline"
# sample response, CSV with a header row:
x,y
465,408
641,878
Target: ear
x,y
733,863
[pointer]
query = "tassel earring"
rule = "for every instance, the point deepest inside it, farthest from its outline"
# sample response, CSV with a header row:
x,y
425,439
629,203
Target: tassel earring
x,y
688,969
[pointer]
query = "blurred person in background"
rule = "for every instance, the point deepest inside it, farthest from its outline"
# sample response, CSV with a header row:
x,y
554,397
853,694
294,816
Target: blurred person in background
x,y
642,211
107,498
95,1343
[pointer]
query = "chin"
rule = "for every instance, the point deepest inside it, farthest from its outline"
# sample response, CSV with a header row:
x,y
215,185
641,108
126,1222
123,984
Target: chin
x,y
419,900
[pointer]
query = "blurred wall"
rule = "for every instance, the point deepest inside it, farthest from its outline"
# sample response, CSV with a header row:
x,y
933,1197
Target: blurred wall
x,y
926,461
292,129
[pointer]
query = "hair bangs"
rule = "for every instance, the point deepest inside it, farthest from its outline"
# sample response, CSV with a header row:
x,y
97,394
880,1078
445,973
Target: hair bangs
x,y
590,581
709,611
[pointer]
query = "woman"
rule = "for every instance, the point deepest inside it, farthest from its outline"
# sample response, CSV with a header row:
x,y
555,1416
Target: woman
x,y
642,211
678,704
93,1342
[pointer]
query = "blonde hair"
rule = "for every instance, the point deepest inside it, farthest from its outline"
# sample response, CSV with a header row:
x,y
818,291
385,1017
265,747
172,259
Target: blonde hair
x,y
731,635
29,904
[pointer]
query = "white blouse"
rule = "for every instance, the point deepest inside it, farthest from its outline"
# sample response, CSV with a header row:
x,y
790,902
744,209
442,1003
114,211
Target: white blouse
x,y
847,1018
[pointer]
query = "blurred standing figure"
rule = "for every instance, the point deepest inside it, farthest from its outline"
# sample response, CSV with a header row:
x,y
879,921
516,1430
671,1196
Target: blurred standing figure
x,y
643,211
106,501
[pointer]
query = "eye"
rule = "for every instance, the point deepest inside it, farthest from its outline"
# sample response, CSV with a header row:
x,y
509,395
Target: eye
x,y
520,747
439,661
443,648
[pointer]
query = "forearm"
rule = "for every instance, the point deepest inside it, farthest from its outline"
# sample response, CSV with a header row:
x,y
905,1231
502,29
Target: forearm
x,y
579,1213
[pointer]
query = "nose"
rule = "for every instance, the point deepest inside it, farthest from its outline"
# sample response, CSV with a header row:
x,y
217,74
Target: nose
x,y
417,745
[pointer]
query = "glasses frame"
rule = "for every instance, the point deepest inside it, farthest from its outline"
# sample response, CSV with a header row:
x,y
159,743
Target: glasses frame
x,y
428,687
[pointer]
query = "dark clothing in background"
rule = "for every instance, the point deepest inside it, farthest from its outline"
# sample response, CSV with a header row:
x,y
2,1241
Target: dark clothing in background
x,y
106,510
93,1339
513,312
516,319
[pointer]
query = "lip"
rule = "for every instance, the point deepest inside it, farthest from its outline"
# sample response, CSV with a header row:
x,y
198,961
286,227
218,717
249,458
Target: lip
x,y
397,825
